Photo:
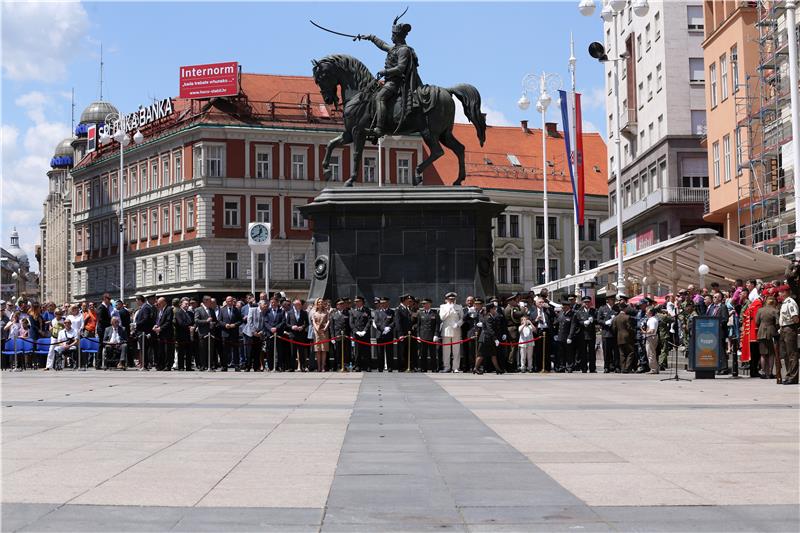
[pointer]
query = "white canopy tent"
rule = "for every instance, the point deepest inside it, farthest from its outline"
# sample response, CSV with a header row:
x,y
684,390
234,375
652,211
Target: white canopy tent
x,y
675,263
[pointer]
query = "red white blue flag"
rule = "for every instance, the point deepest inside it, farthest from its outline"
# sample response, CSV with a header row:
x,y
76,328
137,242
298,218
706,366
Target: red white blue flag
x,y
577,181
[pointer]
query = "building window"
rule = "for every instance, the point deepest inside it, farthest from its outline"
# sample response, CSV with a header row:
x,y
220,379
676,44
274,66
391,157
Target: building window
x,y
540,270
105,236
105,197
735,69
143,174
190,213
712,87
298,220
134,231
698,117
263,162
178,168
584,265
513,226
370,165
649,86
662,173
403,170
739,151
299,267
694,16
515,277
612,204
715,150
143,227
726,151
165,170
178,269
502,271
647,36
79,240
723,76
154,175
501,226
190,266
165,221
114,229
299,165
335,168
659,78
231,265
552,228
79,199
209,160
652,178
154,223
657,25
660,131
134,184
589,229
696,70
231,208
640,94
263,210
114,188
638,47
176,216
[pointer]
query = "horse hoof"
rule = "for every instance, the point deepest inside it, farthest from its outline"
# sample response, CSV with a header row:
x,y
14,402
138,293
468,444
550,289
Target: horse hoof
x,y
326,174
417,180
458,182
348,183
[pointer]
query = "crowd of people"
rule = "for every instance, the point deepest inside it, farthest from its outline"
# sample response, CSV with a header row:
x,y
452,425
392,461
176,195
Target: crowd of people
x,y
520,333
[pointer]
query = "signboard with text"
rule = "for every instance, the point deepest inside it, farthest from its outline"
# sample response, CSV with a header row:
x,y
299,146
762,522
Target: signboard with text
x,y
209,81
706,350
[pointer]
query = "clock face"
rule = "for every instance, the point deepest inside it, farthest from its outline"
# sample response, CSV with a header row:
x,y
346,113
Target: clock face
x,y
259,233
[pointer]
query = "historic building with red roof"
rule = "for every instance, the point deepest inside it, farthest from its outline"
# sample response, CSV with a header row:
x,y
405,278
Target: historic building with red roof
x,y
208,168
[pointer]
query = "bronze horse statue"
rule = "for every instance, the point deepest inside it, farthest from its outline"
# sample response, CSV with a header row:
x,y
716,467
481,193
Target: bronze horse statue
x,y
433,120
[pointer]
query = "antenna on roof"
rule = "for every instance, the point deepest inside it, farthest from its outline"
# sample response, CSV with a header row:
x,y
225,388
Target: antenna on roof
x,y
101,71
72,113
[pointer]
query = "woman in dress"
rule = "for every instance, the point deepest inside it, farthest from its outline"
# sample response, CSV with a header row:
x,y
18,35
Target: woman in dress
x,y
320,321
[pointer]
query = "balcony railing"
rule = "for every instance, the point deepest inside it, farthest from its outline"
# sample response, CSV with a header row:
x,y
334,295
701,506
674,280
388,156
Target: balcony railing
x,y
668,195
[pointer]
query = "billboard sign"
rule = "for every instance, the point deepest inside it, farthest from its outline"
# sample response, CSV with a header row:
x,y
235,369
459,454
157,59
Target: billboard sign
x,y
706,350
209,81
91,138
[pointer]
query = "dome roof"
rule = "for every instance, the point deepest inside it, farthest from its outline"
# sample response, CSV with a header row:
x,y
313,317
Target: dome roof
x,y
15,249
64,148
96,112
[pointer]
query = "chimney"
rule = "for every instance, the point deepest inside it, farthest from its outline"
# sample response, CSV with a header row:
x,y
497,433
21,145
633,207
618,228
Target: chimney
x,y
524,124
552,130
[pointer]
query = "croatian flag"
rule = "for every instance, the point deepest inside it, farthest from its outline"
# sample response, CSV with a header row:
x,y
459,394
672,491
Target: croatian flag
x,y
577,181
91,138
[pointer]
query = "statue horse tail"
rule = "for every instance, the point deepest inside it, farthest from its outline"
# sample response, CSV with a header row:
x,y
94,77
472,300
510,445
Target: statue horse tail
x,y
470,98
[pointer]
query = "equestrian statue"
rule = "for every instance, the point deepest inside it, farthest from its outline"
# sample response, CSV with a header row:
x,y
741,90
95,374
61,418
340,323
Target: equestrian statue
x,y
399,104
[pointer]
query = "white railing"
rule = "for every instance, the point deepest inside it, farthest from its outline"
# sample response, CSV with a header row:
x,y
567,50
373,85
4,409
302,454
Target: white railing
x,y
668,195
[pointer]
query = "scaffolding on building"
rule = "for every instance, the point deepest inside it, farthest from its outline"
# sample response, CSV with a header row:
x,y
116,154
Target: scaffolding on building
x,y
765,212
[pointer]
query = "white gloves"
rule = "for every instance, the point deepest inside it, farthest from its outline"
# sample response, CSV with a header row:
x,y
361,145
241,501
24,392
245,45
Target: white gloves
x,y
386,330
333,341
497,343
361,333
587,322
608,322
479,325
504,337
569,341
435,338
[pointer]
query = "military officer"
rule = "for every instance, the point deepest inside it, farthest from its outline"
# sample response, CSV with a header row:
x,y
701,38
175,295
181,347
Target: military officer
x,y
360,321
428,323
403,324
383,320
584,320
605,316
451,315
513,315
340,331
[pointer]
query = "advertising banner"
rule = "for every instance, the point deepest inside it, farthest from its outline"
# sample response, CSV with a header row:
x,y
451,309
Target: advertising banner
x,y
707,343
91,138
209,81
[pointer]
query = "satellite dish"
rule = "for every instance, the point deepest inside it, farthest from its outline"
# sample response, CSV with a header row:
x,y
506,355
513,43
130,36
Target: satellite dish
x,y
598,51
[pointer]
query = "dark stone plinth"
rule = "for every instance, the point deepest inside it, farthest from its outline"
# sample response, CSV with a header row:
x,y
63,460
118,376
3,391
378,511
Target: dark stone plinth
x,y
388,241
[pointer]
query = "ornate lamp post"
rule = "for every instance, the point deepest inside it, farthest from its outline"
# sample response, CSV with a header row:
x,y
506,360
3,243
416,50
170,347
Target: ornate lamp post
x,y
122,137
543,82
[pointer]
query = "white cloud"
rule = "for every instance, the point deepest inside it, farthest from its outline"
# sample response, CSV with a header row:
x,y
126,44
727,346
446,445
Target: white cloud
x,y
493,116
594,98
40,38
589,126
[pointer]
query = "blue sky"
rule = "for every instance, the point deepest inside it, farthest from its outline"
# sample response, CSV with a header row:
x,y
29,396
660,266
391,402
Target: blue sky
x,y
50,48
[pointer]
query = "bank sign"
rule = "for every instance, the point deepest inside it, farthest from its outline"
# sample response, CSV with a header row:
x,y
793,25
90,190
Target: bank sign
x,y
141,118
209,81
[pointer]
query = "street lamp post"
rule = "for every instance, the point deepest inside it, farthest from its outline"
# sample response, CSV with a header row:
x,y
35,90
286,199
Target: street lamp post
x,y
543,81
122,137
612,11
791,33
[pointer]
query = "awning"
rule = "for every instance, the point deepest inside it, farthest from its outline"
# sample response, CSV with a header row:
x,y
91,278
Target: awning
x,y
674,263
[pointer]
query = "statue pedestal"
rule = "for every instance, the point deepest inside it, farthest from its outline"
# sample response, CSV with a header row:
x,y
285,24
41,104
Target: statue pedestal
x,y
387,241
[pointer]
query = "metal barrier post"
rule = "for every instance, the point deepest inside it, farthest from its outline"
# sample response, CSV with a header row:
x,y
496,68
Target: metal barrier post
x,y
408,338
342,369
275,351
544,351
208,343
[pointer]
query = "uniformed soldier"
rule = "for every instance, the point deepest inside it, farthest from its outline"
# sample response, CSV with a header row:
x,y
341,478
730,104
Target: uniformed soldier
x,y
383,320
403,324
502,331
488,341
360,321
340,333
625,336
665,322
563,348
428,330
467,325
584,336
605,316
513,315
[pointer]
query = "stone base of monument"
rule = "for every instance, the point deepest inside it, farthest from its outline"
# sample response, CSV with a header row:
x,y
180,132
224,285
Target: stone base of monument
x,y
388,241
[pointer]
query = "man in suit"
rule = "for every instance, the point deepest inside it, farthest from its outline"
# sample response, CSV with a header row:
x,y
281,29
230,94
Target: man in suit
x,y
403,323
183,321
360,318
230,318
428,324
513,315
543,319
274,323
451,315
491,331
383,320
251,334
115,342
103,319
145,320
622,326
165,329
297,330
720,310
584,319
605,317
467,323
205,320
339,356
565,358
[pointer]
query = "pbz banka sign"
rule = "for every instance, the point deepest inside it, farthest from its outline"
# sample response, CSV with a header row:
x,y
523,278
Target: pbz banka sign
x,y
141,118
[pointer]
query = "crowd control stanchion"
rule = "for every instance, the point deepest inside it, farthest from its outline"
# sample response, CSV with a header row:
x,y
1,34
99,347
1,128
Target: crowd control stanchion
x,y
544,351
341,341
275,352
408,342
208,343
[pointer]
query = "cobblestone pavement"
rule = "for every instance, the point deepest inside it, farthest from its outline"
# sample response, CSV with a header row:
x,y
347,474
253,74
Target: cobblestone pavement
x,y
133,451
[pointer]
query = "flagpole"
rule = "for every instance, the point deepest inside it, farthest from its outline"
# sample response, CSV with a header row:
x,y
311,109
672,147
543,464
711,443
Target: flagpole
x,y
574,134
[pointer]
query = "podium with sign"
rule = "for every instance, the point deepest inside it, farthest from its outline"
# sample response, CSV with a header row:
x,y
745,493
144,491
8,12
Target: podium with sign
x,y
706,352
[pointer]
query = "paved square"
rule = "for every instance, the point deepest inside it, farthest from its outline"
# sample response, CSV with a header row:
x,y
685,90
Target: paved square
x,y
94,451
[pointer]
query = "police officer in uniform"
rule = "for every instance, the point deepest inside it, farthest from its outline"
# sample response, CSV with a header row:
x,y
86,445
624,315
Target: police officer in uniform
x,y
513,315
428,323
489,340
340,331
605,317
403,322
360,321
383,320
584,320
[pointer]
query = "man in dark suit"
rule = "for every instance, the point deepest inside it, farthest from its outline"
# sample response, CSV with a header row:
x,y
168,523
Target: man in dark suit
x,y
297,330
145,320
383,320
165,329
103,320
720,310
605,317
230,318
339,355
115,342
205,320
584,319
403,323
428,330
183,321
565,355
274,323
360,319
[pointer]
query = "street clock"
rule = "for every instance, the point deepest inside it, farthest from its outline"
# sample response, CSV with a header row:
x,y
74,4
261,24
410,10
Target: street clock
x,y
259,234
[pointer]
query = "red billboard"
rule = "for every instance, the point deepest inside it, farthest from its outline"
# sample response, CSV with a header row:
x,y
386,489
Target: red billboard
x,y
209,81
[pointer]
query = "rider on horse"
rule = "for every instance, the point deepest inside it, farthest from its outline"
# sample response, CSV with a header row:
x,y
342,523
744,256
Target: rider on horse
x,y
400,75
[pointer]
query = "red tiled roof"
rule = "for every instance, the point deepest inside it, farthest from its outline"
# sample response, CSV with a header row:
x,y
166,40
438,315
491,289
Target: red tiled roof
x,y
489,166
